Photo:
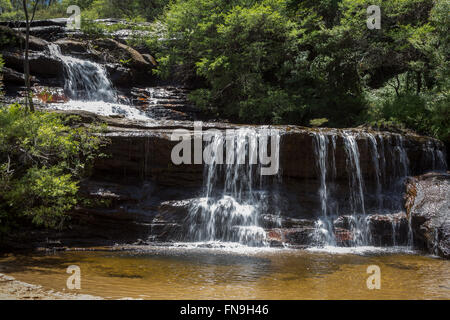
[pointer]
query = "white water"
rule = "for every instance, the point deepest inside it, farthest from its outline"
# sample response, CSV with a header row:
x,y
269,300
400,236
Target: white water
x,y
376,164
89,88
234,195
394,156
324,226
85,80
103,109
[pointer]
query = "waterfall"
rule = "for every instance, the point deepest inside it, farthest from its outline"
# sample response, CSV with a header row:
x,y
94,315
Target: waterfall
x,y
376,165
356,182
85,80
388,164
88,86
356,218
324,226
234,193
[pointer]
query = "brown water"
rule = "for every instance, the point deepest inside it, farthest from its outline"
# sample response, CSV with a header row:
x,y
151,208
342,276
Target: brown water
x,y
188,273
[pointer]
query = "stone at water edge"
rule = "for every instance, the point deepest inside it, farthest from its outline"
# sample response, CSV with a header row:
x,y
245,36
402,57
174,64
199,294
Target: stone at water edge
x,y
428,205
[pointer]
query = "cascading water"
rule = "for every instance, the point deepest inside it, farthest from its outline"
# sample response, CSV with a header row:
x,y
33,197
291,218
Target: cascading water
x,y
234,196
90,89
324,226
376,165
85,80
385,152
357,218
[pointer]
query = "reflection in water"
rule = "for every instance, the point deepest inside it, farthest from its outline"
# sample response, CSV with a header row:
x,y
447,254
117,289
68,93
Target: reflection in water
x,y
201,273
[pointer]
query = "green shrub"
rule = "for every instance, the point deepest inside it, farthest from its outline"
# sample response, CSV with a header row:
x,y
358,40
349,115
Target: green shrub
x,y
43,157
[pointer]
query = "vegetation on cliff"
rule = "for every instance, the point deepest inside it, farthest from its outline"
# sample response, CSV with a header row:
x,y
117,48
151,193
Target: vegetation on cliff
x,y
287,61
43,157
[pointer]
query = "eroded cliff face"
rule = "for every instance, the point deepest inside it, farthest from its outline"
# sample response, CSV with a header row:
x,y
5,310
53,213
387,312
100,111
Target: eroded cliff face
x,y
149,197
428,207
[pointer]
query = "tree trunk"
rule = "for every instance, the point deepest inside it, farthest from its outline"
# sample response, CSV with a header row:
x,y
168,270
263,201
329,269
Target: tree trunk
x,y
26,67
29,98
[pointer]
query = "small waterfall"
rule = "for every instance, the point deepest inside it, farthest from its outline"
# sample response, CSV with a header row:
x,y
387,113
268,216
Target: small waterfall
x,y
389,165
234,195
356,182
85,80
402,157
376,164
355,219
359,225
324,227
89,88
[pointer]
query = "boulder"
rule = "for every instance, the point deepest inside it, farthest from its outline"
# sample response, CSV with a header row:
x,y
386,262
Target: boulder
x,y
14,77
70,45
40,65
428,207
16,37
120,51
119,75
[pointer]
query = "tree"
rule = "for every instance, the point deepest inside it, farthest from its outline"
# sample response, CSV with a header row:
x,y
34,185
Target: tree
x,y
28,20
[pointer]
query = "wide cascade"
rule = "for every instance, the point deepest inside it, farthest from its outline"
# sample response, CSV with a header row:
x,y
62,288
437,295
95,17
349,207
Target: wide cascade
x,y
235,193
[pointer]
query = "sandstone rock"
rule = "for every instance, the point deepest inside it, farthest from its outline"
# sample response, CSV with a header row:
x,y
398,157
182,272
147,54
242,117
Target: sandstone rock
x,y
119,75
343,237
40,65
123,52
70,45
47,33
16,37
428,205
14,77
149,58
389,229
36,23
292,236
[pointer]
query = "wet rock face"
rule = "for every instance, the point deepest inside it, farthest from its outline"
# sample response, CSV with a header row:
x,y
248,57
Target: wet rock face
x,y
145,155
388,229
428,205
139,193
298,156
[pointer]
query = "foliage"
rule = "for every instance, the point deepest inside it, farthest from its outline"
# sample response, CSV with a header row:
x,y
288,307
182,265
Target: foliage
x,y
134,10
291,61
318,122
43,157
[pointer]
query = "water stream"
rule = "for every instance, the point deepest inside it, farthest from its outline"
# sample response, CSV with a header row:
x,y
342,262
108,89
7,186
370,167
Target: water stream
x,y
88,86
235,194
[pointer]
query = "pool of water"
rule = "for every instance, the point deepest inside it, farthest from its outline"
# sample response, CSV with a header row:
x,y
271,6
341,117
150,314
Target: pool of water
x,y
183,272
